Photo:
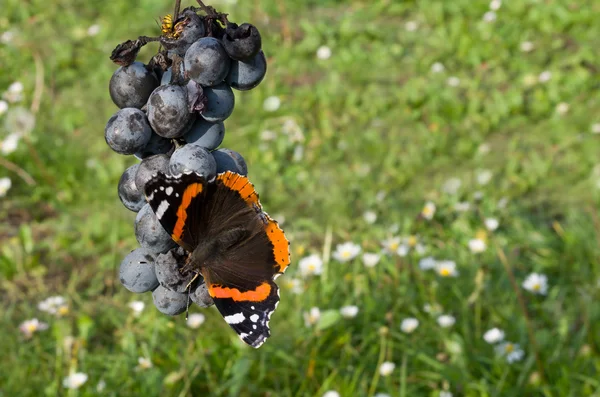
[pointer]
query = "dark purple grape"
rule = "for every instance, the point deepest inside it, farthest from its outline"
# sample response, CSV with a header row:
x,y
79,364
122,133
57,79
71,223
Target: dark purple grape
x,y
245,75
220,102
206,62
150,233
168,111
131,197
131,86
206,134
230,160
200,296
193,158
127,131
168,270
241,42
151,166
169,302
156,145
137,271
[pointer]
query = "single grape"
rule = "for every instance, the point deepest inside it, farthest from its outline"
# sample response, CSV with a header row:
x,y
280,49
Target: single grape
x,y
151,166
168,111
168,270
219,104
206,134
131,197
230,160
150,233
137,271
241,42
206,61
156,145
245,75
127,131
169,302
200,296
193,158
131,86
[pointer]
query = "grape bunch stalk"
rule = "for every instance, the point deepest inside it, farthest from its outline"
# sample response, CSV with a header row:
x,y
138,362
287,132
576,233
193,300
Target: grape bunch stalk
x,y
171,114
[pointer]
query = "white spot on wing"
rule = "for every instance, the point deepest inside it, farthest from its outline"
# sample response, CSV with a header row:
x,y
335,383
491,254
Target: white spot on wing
x,y
235,318
254,318
160,211
161,187
169,190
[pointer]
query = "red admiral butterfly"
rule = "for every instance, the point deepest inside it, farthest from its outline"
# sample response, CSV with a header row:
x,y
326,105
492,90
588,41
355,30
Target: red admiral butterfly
x,y
238,248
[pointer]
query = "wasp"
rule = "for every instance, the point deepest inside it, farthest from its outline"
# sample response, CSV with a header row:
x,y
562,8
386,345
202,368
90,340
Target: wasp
x,y
170,29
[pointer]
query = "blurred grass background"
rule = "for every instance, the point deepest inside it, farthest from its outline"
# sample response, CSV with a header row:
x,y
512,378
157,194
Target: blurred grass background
x,y
374,127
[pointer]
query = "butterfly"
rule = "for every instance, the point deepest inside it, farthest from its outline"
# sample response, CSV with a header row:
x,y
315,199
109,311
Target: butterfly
x,y
236,246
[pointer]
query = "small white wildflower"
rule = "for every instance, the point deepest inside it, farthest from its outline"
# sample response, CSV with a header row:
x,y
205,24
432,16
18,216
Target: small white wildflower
x,y
195,320
493,335
272,104
446,320
484,177
437,67
595,128
453,81
478,195
15,88
349,311
144,363
331,393
511,351
54,305
391,244
428,210
462,206
5,184
386,368
311,265
451,186
427,263
324,52
75,380
346,252
292,129
495,5
394,227
446,268
93,30
370,217
7,37
411,26
268,135
402,250
370,259
445,393
562,108
294,285
409,324
19,121
10,143
527,46
101,386
491,224
380,196
420,249
545,76
3,107
137,307
484,148
502,203
536,283
477,245
312,317
29,327
489,17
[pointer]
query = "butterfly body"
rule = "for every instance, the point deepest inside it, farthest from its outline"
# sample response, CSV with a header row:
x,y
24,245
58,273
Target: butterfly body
x,y
238,248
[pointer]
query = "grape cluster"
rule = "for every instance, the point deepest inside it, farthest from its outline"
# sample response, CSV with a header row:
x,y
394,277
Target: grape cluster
x,y
171,118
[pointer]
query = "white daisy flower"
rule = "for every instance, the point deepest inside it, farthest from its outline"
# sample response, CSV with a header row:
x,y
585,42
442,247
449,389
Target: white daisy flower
x,y
386,368
446,320
312,317
545,76
19,121
10,143
144,363
484,177
29,327
451,186
14,93
453,81
511,351
195,320
294,285
527,46
137,307
5,184
311,265
495,5
427,263
428,210
370,217
93,30
54,305
324,52
489,17
408,325
411,26
346,252
349,311
3,107
562,108
491,224
437,67
536,283
433,309
370,259
446,268
391,244
477,245
75,380
331,393
272,104
462,206
493,335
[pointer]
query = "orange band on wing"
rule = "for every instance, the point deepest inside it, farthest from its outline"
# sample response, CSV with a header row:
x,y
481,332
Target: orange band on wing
x,y
189,193
281,245
240,184
259,294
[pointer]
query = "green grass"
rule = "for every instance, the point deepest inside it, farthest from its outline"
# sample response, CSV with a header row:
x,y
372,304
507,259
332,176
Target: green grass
x,y
374,119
